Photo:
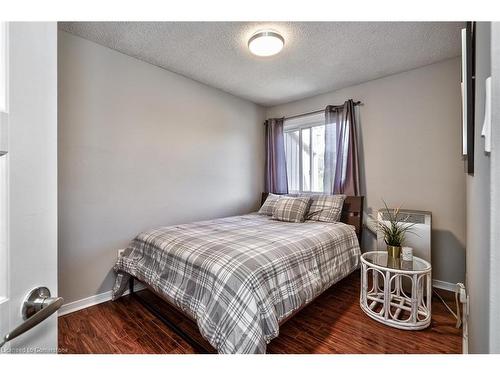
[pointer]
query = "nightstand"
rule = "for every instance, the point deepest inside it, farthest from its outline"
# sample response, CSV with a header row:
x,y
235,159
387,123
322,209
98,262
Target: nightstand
x,y
396,292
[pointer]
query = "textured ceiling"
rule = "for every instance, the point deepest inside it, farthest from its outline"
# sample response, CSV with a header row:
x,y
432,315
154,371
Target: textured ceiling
x,y
317,57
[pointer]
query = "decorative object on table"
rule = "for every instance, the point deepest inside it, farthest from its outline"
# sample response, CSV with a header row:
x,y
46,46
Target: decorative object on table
x,y
395,292
419,239
394,230
407,253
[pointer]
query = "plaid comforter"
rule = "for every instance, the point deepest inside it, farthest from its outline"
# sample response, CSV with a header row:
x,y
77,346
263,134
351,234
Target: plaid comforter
x,y
238,277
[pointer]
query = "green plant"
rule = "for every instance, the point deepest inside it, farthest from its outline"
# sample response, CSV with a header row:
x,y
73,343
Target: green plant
x,y
397,227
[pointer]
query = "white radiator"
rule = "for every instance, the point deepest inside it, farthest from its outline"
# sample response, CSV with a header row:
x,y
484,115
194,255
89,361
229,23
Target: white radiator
x,y
420,239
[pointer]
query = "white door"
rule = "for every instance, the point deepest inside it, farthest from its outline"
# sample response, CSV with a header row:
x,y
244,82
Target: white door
x,y
28,184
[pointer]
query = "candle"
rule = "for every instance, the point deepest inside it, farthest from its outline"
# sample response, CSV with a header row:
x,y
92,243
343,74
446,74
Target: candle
x,y
407,253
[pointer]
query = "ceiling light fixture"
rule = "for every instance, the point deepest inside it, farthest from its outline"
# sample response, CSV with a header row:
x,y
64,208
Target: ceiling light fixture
x,y
266,43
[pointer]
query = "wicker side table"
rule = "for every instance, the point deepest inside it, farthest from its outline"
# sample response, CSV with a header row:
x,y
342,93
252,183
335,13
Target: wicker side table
x,y
396,292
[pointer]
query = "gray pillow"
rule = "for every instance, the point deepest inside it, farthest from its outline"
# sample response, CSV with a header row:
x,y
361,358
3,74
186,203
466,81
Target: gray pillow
x,y
292,209
327,208
269,205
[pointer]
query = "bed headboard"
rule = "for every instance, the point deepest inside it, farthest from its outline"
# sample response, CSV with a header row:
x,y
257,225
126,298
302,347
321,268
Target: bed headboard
x,y
352,212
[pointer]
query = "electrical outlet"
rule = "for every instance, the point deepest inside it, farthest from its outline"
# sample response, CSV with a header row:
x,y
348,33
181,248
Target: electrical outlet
x,y
120,252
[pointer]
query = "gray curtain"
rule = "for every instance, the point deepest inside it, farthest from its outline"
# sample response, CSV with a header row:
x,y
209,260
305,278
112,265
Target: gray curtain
x,y
276,179
341,174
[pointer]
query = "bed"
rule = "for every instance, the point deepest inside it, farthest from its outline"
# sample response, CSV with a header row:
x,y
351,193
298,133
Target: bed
x,y
240,277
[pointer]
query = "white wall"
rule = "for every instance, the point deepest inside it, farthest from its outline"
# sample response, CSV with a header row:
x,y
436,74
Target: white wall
x,y
410,138
141,147
495,192
478,209
483,204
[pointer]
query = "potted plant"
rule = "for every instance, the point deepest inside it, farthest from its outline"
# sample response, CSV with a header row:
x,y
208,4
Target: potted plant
x,y
394,229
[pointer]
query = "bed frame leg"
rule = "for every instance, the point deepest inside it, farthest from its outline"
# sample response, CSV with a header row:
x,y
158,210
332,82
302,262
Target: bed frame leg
x,y
131,285
165,320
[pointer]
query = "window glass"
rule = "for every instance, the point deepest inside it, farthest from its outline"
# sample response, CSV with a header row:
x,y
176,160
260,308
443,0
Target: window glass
x,y
305,152
318,153
292,159
306,159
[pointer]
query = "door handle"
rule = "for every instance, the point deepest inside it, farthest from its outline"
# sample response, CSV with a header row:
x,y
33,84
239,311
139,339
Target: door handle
x,y
37,307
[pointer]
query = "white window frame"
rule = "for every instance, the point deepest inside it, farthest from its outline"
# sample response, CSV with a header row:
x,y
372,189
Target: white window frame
x,y
300,123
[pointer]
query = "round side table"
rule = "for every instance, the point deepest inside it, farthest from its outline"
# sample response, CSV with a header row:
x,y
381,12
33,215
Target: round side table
x,y
396,292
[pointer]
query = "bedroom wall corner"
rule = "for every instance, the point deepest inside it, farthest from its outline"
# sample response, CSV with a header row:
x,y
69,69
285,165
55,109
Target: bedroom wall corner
x,y
410,139
140,147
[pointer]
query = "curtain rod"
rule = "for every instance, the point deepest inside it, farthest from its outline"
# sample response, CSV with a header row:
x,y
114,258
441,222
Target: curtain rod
x,y
318,111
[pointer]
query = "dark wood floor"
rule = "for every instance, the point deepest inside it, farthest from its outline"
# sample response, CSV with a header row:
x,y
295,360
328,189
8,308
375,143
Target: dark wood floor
x,y
333,323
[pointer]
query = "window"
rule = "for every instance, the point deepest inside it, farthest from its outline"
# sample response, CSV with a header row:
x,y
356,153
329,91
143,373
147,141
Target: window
x,y
305,153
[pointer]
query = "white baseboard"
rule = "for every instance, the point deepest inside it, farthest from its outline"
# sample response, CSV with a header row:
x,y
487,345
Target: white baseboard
x,y
92,300
444,285
106,296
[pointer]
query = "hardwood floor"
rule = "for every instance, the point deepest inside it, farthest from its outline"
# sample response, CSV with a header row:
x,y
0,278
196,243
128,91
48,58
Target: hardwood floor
x,y
333,323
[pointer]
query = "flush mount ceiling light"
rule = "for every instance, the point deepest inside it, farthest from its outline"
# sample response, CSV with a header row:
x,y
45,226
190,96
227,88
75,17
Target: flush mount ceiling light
x,y
266,43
